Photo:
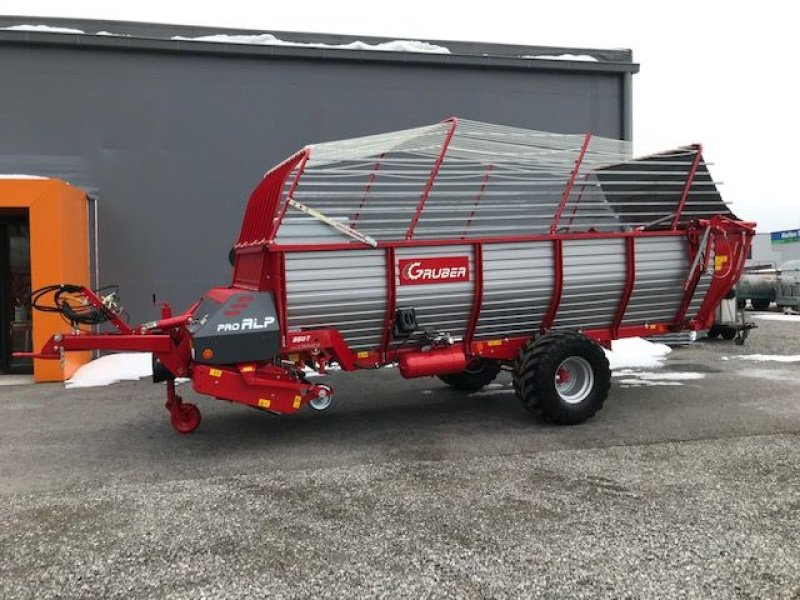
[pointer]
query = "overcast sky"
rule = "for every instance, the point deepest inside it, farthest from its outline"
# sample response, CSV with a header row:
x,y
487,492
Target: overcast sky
x,y
718,73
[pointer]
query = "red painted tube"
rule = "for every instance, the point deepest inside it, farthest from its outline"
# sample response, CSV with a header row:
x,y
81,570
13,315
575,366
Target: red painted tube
x,y
435,362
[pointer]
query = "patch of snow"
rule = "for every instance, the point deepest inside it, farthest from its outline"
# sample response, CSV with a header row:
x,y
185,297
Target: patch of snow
x,y
766,358
42,29
20,176
112,34
492,392
636,352
426,392
578,57
128,366
644,382
267,39
773,317
309,372
661,376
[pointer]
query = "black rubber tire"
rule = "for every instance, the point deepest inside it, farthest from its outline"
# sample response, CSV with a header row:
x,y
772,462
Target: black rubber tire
x,y
759,303
727,332
713,333
535,375
478,374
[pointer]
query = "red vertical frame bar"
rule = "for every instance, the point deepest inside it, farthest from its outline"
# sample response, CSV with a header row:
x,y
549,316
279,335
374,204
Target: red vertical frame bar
x,y
429,185
558,285
692,281
577,202
391,303
375,168
272,228
568,188
687,186
477,261
630,279
281,294
478,198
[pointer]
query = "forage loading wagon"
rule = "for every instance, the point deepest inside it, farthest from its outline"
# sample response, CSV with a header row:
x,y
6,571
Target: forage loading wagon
x,y
455,250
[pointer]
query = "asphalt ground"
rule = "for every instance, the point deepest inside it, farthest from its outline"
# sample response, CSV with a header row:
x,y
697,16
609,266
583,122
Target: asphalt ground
x,y
686,484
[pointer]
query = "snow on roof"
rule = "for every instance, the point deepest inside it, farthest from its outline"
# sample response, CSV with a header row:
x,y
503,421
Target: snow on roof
x,y
20,176
578,57
42,29
267,39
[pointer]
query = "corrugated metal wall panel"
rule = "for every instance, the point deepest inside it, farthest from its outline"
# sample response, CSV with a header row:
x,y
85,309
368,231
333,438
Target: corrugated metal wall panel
x,y
594,277
701,291
346,289
343,289
517,288
661,267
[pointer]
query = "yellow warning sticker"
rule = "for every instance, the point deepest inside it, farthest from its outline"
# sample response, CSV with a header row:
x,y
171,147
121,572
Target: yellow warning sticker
x,y
215,372
719,261
264,402
294,357
248,369
363,355
297,401
494,343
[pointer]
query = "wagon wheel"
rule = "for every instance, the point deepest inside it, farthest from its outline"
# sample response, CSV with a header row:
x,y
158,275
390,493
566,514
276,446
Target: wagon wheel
x,y
713,333
185,417
727,332
478,374
563,378
759,303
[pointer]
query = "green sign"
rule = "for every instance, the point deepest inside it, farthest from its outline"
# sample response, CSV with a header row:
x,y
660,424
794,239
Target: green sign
x,y
785,237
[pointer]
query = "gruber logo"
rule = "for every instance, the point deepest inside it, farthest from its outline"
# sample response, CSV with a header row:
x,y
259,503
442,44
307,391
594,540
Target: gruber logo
x,y
444,269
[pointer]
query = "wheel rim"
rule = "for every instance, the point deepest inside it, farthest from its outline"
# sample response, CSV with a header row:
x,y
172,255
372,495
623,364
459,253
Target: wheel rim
x,y
574,379
323,399
186,419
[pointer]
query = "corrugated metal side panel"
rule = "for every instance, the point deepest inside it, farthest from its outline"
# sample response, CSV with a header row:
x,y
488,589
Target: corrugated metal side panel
x,y
594,278
343,289
701,291
439,306
661,267
517,288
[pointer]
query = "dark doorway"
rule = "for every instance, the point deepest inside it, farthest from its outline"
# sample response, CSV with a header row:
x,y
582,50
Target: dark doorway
x,y
16,330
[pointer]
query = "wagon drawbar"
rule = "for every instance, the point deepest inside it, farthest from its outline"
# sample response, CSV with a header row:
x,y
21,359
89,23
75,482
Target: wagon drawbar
x,y
455,250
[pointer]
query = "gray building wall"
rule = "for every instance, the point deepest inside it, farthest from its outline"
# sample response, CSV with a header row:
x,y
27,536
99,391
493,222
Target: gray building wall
x,y
171,137
765,251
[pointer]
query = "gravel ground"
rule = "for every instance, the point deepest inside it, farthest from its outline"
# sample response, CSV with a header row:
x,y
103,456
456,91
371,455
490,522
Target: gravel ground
x,y
686,491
